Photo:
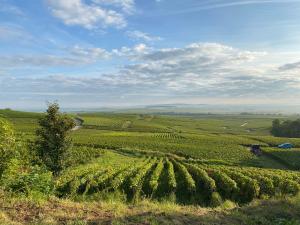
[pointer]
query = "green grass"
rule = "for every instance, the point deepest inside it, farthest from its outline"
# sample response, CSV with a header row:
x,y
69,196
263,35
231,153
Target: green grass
x,y
60,211
289,157
23,122
8,113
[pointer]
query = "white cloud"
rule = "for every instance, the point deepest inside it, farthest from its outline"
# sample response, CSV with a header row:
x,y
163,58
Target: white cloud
x,y
206,70
290,66
141,48
11,9
40,61
208,5
75,56
93,53
132,53
77,12
138,35
128,6
203,53
13,32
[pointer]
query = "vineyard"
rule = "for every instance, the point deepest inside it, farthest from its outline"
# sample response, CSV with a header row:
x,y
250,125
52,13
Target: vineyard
x,y
191,160
288,157
165,177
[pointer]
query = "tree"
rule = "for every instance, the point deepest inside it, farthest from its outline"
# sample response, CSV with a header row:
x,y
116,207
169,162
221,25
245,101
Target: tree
x,y
53,139
7,144
286,128
275,130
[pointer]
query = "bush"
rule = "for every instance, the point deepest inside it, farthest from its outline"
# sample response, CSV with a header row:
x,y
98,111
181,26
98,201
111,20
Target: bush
x,y
7,144
18,178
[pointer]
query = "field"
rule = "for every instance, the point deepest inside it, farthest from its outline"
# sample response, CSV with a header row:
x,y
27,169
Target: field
x,y
187,160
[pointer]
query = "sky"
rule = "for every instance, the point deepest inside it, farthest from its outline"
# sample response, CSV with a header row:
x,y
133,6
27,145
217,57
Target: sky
x,y
119,53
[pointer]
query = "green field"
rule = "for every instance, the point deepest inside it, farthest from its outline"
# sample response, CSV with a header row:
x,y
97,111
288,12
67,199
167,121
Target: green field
x,y
218,137
188,160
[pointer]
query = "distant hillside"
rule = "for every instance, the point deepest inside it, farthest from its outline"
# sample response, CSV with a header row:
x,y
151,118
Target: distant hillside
x,y
8,113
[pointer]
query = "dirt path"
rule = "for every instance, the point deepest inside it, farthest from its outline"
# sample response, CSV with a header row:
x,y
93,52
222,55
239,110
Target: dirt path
x,y
79,123
244,124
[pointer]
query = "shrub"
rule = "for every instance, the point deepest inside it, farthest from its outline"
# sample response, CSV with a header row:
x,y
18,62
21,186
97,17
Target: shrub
x,y
7,144
18,178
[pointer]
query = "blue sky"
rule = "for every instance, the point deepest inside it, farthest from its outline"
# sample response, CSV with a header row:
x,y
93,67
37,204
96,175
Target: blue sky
x,y
96,53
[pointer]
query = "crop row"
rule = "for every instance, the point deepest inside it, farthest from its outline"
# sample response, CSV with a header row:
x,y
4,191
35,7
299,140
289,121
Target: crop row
x,y
168,135
184,182
196,146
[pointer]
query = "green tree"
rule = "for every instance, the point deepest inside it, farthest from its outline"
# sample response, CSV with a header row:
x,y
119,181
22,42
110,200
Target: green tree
x,y
53,139
276,127
286,128
7,144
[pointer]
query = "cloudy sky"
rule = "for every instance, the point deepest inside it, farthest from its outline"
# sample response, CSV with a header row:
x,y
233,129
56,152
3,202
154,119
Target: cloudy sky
x,y
95,53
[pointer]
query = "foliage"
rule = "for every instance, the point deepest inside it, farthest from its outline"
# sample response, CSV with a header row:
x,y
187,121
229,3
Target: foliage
x,y
191,160
206,186
81,155
7,144
203,184
289,157
226,186
171,180
135,182
27,180
154,178
286,128
53,141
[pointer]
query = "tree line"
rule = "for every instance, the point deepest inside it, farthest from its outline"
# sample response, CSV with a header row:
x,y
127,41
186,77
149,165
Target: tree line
x,y
288,128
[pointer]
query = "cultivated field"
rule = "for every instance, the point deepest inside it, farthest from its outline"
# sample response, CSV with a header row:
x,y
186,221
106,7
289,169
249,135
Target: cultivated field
x,y
192,160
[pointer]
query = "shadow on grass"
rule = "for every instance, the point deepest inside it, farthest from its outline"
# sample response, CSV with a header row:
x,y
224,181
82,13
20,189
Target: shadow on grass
x,y
275,159
289,157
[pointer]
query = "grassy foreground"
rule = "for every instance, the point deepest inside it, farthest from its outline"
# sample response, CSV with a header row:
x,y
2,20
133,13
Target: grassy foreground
x,y
57,211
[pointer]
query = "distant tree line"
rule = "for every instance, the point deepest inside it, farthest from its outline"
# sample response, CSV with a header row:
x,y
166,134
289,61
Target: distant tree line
x,y
286,128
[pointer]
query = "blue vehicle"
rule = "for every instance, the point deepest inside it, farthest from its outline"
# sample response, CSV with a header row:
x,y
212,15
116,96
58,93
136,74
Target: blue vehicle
x,y
286,146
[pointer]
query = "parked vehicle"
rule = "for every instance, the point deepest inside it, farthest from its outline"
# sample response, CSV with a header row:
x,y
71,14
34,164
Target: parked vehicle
x,y
286,146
